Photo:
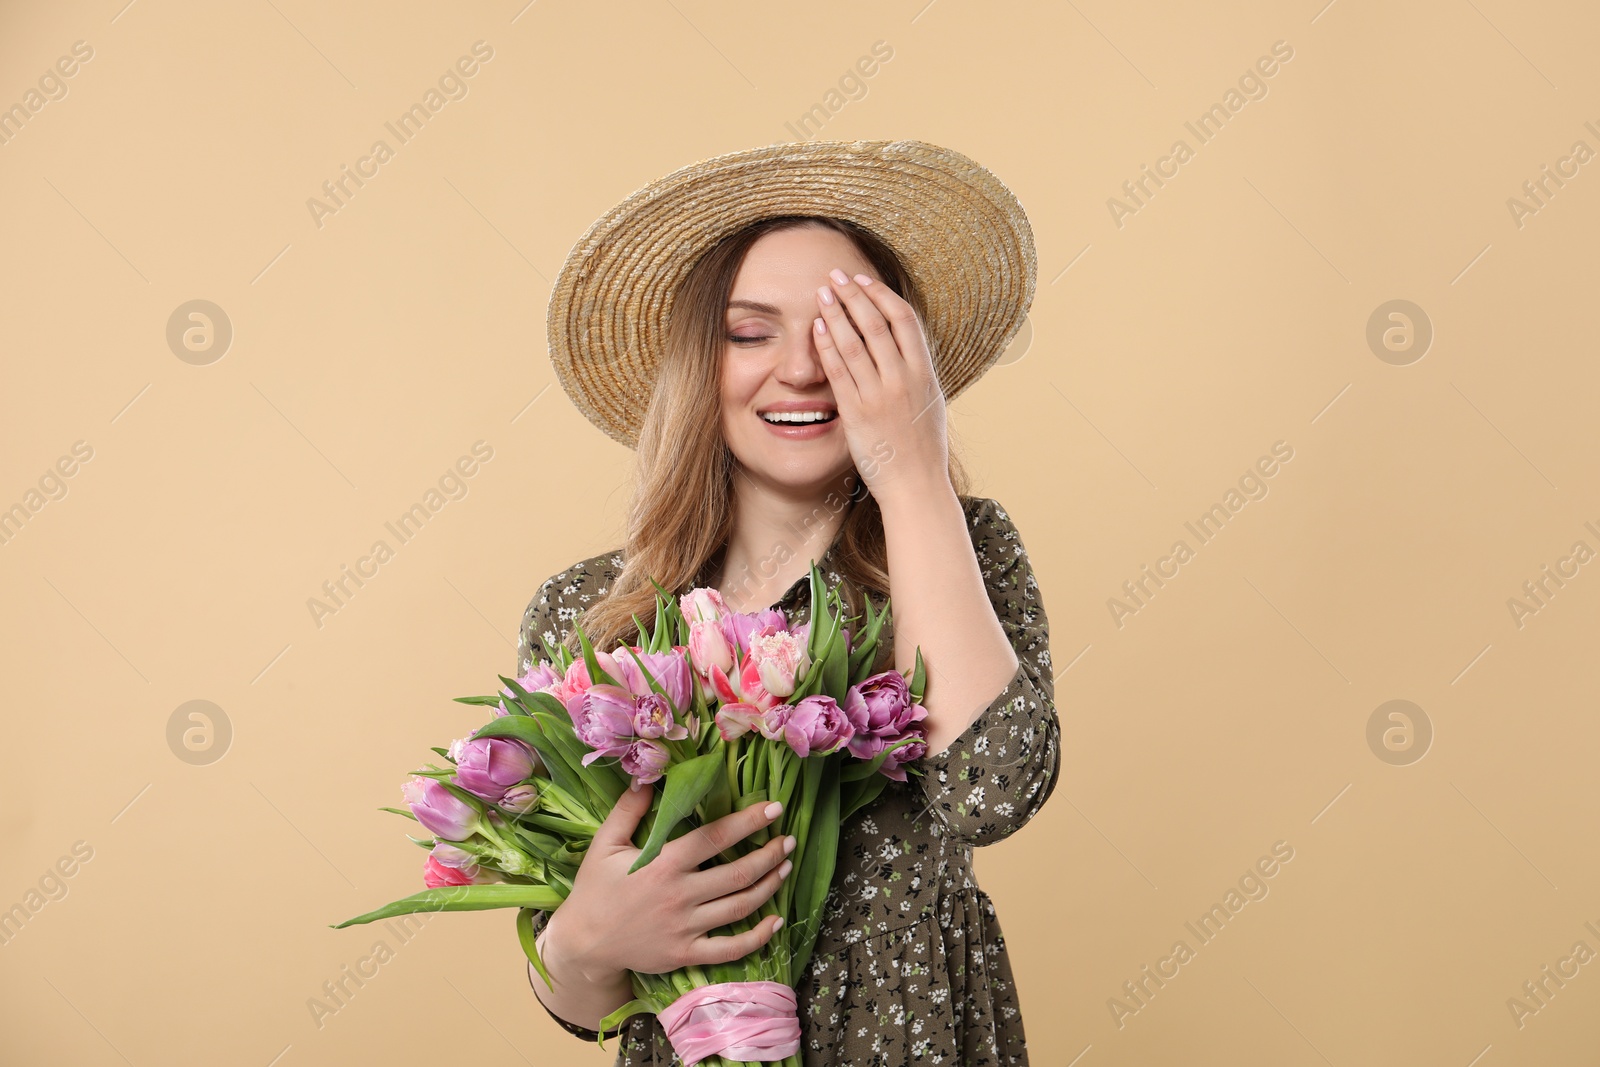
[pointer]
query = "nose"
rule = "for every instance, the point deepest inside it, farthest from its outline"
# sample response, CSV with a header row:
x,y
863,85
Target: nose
x,y
800,363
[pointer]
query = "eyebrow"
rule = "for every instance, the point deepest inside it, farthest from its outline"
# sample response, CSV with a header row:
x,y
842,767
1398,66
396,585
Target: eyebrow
x,y
754,305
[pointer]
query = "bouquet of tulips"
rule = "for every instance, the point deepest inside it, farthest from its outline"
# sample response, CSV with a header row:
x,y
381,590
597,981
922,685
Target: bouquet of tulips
x,y
731,710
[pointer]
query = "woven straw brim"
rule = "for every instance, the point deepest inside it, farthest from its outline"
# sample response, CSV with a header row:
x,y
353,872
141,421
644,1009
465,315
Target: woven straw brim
x,y
960,232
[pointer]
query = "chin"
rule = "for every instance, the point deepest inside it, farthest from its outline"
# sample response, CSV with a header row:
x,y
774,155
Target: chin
x,y
797,472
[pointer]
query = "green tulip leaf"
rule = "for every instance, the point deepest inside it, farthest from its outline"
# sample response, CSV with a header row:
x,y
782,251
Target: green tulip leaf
x,y
464,898
687,784
530,945
596,675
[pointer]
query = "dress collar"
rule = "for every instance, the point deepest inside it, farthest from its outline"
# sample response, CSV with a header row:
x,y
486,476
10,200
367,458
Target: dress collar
x,y
827,563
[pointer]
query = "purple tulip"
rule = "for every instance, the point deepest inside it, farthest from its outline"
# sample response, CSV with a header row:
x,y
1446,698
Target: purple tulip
x,y
646,760
669,669
817,724
739,627
541,675
773,720
866,746
488,766
440,811
451,856
521,799
652,717
891,766
881,711
603,719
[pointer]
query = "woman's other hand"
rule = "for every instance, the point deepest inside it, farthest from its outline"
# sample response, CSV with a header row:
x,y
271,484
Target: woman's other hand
x,y
657,919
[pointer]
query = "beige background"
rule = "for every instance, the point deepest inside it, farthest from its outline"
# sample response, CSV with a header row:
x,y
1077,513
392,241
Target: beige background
x,y
1167,354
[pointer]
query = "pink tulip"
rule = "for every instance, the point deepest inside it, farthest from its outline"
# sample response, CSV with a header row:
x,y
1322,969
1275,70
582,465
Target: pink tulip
x,y
779,659
436,874
646,760
817,724
744,687
708,647
652,717
488,766
576,680
734,720
702,603
440,811
558,689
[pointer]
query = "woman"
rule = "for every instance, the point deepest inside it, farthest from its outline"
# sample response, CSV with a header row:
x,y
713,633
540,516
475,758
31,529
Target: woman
x,y
805,293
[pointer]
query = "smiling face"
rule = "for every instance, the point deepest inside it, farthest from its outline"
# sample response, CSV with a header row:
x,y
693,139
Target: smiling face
x,y
771,360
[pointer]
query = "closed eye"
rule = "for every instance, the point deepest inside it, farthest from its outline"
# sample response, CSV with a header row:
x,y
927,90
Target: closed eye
x,y
744,340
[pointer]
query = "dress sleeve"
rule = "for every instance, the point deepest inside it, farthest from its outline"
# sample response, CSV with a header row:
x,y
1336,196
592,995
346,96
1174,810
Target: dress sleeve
x,y
540,617
998,774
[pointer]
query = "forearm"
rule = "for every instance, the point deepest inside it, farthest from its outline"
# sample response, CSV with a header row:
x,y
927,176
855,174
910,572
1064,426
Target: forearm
x,y
940,604
578,997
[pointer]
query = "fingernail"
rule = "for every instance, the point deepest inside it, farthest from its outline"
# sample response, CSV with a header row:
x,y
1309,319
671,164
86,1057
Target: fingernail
x,y
783,872
788,844
863,279
774,809
838,276
826,294
778,925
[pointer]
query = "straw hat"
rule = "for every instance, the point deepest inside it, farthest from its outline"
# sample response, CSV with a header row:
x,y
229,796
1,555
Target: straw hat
x,y
960,232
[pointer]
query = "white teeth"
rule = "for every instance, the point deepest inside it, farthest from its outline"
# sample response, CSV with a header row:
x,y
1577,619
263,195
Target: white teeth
x,y
797,416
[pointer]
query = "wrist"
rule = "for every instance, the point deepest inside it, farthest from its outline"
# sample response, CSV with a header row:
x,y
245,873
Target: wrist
x,y
565,954
915,500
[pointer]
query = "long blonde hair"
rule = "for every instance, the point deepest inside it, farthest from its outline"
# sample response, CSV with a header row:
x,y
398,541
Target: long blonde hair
x,y
681,514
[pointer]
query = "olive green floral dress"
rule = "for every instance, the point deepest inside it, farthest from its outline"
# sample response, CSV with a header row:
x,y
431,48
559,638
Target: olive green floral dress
x,y
910,964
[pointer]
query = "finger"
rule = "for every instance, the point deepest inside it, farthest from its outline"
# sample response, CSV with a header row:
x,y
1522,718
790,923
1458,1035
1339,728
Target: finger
x,y
703,842
623,819
725,878
845,390
848,343
730,947
903,323
735,906
870,325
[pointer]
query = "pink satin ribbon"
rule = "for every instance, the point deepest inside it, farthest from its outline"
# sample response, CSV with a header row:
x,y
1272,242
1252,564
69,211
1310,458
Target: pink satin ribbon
x,y
756,1021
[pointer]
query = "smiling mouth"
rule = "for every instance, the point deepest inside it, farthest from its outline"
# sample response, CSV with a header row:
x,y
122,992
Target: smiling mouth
x,y
798,418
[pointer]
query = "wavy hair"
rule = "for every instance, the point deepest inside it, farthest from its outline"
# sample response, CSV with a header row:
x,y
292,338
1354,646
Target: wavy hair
x,y
680,515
